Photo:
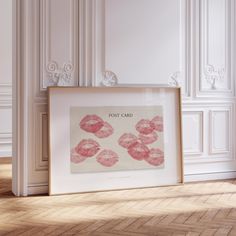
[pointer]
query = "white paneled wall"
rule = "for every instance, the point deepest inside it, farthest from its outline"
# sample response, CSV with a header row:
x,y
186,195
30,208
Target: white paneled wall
x,y
193,120
91,42
137,41
216,43
5,78
58,43
213,92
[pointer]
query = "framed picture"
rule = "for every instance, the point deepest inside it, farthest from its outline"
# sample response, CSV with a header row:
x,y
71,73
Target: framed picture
x,y
114,138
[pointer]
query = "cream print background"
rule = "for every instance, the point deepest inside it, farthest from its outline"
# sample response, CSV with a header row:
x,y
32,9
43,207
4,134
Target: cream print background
x,y
121,123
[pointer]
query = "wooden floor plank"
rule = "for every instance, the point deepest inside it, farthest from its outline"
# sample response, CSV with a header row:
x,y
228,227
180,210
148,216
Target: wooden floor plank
x,y
207,208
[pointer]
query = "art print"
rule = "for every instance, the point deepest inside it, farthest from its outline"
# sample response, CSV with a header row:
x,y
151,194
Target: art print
x,y
116,138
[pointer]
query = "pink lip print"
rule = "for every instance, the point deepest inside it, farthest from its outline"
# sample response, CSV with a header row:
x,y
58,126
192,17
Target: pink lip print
x,y
91,123
127,139
107,158
105,131
76,157
156,157
138,151
144,126
157,123
87,147
148,138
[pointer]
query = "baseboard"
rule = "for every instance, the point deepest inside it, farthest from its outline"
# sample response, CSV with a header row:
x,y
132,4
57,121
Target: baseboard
x,y
209,176
38,189
43,188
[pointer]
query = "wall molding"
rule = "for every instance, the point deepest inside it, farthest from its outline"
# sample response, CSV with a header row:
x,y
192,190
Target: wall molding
x,y
21,43
215,80
58,76
37,189
210,176
5,144
5,106
209,154
5,94
41,138
109,79
200,116
6,153
213,75
212,147
87,42
43,188
92,44
56,71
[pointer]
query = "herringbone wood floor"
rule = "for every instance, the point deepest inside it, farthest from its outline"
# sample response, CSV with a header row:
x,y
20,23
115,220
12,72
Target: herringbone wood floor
x,y
193,209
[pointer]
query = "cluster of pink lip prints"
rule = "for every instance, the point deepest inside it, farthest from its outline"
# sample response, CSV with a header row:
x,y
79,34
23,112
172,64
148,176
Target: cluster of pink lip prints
x,y
88,148
137,146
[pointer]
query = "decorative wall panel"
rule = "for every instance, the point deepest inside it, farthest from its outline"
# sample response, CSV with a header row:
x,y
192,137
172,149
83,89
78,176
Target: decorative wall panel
x,y
54,39
193,132
38,146
220,131
216,47
127,38
59,32
210,124
41,138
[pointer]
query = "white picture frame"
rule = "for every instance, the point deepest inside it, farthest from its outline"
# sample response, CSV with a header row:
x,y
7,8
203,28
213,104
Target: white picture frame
x,y
61,99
